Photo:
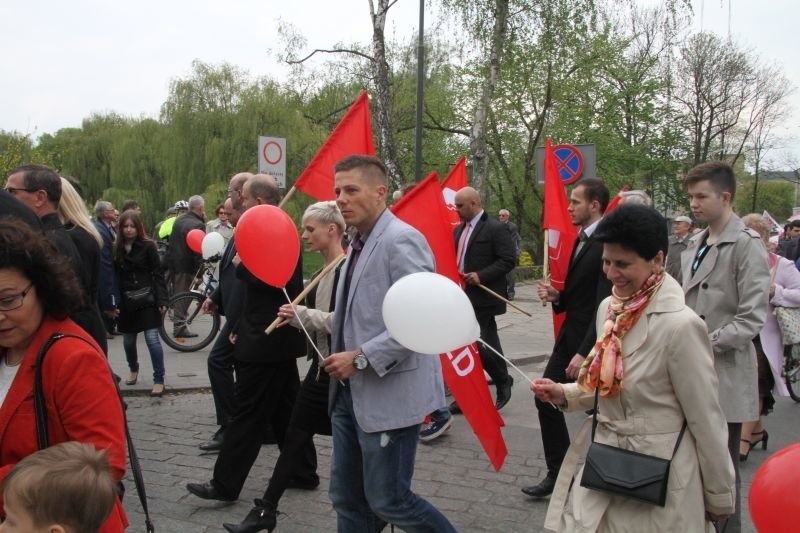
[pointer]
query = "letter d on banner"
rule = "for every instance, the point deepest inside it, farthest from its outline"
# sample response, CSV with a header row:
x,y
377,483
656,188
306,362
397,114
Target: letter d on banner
x,y
464,362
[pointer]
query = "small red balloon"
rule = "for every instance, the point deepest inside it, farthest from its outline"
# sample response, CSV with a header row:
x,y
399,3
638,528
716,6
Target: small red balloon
x,y
194,240
268,244
773,493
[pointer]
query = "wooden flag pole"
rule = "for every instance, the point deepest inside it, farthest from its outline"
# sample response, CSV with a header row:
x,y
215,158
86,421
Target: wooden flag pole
x,y
311,284
499,297
546,260
286,198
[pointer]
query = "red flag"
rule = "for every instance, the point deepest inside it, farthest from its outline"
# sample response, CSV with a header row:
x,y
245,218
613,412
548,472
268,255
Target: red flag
x,y
423,208
353,135
557,222
455,181
615,201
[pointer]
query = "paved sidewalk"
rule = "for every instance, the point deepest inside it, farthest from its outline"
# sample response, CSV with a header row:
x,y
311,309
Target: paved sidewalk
x,y
452,472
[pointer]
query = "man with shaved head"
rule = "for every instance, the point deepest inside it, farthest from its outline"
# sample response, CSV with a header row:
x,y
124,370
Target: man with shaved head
x,y
485,254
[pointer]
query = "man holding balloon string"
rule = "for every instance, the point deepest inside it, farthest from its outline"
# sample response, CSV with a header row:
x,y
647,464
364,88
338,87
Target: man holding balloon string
x,y
267,378
380,391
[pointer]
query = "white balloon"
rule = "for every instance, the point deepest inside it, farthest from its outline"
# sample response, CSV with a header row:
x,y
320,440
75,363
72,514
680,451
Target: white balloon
x,y
429,313
213,244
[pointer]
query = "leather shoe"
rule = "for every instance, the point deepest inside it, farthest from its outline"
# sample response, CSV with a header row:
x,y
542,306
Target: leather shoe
x,y
215,444
208,491
303,483
543,490
504,393
262,516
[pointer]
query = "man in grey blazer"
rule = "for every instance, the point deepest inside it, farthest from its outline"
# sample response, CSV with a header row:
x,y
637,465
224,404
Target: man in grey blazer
x,y
726,281
380,391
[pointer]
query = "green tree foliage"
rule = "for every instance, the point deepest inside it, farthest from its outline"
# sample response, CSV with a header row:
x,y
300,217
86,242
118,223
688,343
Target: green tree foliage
x,y
777,197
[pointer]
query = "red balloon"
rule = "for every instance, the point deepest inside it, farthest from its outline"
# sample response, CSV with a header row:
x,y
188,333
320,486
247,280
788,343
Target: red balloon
x,y
268,244
194,240
773,493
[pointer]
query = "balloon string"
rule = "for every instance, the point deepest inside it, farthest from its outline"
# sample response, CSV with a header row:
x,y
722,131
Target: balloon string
x,y
521,373
308,336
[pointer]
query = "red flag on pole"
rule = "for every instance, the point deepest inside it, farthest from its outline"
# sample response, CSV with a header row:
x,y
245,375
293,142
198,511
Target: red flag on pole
x,y
455,181
558,224
353,135
615,201
423,208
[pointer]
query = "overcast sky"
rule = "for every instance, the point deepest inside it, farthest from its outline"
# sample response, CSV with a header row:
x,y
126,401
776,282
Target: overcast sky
x,y
61,61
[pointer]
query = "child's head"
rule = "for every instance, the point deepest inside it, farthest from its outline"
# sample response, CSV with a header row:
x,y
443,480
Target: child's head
x,y
64,488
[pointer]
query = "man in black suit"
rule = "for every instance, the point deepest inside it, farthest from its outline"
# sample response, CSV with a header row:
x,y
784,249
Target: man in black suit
x,y
585,287
485,254
227,298
267,376
789,245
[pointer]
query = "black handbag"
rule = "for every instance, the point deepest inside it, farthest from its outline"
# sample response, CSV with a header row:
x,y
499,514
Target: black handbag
x,y
139,299
43,437
627,473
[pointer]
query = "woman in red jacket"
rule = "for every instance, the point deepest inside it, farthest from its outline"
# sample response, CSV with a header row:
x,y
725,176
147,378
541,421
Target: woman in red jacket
x,y
37,292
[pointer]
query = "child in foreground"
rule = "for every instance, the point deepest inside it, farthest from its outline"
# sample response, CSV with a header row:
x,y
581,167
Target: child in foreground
x,y
66,488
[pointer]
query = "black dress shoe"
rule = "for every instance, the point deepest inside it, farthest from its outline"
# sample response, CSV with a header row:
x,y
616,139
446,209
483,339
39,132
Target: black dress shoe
x,y
543,490
303,483
262,516
208,491
504,393
215,444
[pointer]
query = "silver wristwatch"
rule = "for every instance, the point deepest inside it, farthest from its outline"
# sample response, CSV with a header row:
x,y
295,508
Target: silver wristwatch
x,y
360,361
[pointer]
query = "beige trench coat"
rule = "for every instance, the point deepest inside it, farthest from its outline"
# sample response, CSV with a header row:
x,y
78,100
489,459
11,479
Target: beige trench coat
x,y
730,291
669,376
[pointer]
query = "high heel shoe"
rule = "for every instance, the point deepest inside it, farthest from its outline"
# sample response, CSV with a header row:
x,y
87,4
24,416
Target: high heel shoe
x,y
743,456
763,440
133,377
262,516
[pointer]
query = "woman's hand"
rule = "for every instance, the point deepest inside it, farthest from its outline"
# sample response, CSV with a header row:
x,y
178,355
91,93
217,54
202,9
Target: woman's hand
x,y
772,291
547,390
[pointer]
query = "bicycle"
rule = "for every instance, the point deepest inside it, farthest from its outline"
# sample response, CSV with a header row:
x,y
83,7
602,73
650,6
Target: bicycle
x,y
192,330
791,370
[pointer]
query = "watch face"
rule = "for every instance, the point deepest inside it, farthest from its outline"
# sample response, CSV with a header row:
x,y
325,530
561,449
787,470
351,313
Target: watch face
x,y
360,361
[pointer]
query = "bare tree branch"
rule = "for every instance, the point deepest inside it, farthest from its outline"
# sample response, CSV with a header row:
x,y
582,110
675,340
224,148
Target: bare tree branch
x,y
330,51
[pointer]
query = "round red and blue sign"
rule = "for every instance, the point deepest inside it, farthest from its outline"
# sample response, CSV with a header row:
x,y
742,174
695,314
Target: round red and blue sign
x,y
569,162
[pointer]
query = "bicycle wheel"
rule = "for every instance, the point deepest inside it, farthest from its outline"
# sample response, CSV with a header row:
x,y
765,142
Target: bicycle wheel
x,y
184,326
791,372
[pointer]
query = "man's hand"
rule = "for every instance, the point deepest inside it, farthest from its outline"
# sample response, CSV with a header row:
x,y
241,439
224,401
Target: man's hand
x,y
716,517
574,366
546,292
208,306
471,278
236,260
340,365
112,313
232,338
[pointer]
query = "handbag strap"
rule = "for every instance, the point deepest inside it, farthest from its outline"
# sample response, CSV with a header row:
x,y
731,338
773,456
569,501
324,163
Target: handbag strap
x,y
594,423
41,422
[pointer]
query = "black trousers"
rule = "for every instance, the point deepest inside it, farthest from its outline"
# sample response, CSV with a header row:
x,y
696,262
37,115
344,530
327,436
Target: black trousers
x,y
734,523
555,435
265,395
221,366
494,365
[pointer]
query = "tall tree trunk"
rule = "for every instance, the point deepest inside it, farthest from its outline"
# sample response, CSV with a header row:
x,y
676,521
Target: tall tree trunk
x,y
477,138
383,99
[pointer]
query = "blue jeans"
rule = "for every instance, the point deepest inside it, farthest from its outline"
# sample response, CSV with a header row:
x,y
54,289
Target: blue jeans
x,y
156,353
371,477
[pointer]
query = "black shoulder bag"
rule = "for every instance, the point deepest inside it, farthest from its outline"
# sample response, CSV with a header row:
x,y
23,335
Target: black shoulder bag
x,y
41,424
624,472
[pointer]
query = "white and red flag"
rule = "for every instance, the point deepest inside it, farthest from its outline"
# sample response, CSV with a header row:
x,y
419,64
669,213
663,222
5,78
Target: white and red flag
x,y
454,182
558,224
423,207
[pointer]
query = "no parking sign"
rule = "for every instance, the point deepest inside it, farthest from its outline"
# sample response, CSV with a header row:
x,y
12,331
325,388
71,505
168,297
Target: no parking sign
x,y
272,158
573,161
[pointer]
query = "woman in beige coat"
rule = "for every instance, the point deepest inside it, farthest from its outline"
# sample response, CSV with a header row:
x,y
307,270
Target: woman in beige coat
x,y
661,375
